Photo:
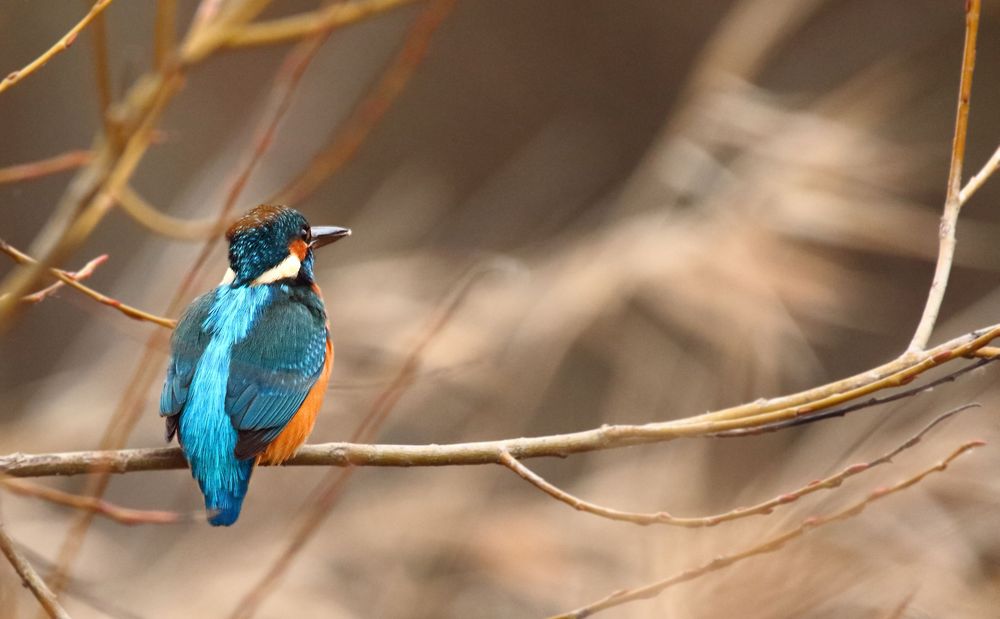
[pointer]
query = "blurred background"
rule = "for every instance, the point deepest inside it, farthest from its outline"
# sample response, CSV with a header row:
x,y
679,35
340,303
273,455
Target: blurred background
x,y
670,207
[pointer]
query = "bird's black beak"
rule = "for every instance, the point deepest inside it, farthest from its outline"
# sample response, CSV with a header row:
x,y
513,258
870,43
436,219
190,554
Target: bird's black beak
x,y
324,235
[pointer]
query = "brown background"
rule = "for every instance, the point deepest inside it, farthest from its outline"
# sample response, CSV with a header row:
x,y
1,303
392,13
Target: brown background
x,y
656,249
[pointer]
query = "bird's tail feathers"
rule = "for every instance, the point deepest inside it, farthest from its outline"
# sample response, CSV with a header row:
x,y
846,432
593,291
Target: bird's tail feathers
x,y
224,501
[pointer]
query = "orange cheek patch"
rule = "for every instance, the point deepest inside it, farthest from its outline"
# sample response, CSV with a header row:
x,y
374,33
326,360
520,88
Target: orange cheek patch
x,y
300,248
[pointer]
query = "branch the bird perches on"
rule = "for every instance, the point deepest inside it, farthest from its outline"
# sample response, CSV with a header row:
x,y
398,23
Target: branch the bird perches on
x,y
236,28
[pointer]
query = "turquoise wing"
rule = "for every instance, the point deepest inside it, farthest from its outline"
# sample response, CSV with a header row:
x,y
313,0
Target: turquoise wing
x,y
273,369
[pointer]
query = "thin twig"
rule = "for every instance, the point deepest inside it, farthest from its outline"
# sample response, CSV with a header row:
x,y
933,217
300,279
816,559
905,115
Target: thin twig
x,y
775,543
70,280
980,177
30,577
44,167
83,273
762,508
367,113
332,486
121,515
952,202
285,29
61,46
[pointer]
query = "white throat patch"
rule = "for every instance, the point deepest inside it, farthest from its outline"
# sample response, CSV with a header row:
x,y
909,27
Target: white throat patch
x,y
287,268
228,278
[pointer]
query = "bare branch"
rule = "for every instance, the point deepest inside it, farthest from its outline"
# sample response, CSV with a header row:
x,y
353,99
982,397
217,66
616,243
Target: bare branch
x,y
763,508
560,445
30,577
61,46
776,543
952,202
121,515
70,280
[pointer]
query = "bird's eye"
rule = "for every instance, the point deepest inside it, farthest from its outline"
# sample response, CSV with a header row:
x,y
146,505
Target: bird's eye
x,y
306,234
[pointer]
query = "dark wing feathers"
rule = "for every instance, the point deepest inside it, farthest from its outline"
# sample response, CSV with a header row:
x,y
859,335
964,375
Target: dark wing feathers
x,y
187,344
273,369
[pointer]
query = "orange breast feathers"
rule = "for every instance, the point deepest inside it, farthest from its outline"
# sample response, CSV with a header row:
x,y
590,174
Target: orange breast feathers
x,y
301,425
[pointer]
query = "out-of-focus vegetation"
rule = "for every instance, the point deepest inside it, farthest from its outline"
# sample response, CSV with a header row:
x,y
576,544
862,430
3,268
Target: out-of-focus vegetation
x,y
681,206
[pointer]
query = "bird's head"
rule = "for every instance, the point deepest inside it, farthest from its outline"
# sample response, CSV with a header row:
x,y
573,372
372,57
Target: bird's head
x,y
271,243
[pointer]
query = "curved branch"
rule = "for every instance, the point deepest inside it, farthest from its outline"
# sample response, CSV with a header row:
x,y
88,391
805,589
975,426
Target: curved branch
x,y
158,222
762,508
775,543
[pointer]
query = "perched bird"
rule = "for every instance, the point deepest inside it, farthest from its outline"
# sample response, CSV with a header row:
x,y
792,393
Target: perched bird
x,y
250,360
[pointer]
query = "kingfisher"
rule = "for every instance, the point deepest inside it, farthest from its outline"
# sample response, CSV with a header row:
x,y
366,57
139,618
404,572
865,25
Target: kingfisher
x,y
250,360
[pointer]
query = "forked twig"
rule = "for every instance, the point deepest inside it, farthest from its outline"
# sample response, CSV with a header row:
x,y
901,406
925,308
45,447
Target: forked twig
x,y
980,177
70,280
86,271
775,543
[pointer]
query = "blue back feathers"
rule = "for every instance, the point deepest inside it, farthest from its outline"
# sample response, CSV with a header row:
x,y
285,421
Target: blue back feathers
x,y
208,437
